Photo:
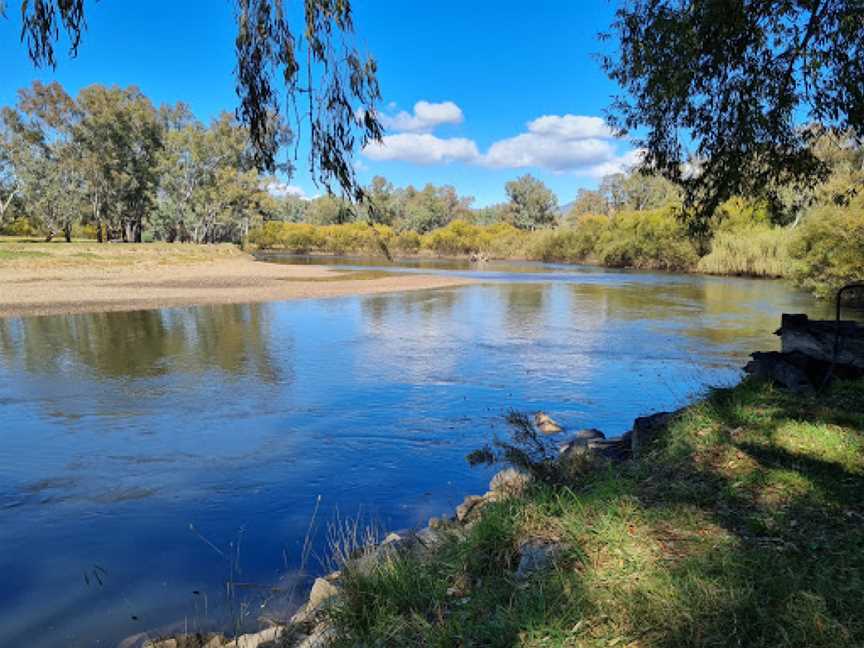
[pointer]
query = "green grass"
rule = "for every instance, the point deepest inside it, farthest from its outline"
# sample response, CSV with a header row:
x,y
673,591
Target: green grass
x,y
743,525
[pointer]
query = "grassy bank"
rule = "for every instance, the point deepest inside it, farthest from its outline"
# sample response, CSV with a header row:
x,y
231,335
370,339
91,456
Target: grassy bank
x,y
741,525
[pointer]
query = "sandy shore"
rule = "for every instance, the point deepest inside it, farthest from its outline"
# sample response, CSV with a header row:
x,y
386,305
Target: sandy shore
x,y
49,290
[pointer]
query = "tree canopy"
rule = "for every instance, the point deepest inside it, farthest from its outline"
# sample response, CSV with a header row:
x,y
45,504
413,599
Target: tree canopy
x,y
728,96
325,79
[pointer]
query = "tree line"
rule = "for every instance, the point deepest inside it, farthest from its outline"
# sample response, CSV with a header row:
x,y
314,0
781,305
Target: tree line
x,y
112,163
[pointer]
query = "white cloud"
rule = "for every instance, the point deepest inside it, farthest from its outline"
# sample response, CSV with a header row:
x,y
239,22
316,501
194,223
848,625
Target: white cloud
x,y
556,143
571,127
422,148
426,116
283,189
580,144
550,153
619,164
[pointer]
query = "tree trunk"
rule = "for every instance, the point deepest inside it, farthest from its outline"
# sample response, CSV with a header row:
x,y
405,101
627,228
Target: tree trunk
x,y
99,232
67,232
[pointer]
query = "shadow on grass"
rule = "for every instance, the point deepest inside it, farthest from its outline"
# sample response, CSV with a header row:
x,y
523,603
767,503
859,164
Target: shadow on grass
x,y
743,525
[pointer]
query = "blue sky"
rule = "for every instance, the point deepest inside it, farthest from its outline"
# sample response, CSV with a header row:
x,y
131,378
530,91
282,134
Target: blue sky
x,y
506,88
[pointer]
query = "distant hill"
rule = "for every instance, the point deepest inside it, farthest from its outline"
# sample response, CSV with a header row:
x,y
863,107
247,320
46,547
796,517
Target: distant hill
x,y
566,207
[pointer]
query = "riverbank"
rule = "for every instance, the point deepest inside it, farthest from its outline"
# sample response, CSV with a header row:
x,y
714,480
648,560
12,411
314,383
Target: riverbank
x,y
82,277
737,522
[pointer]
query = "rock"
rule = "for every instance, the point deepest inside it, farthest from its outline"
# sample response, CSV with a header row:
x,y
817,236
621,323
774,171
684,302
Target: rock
x,y
320,637
471,504
258,639
546,425
646,429
510,482
322,591
589,434
216,641
437,523
536,555
430,538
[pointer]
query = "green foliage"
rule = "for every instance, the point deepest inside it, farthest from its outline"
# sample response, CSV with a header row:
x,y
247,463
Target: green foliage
x,y
532,203
829,249
575,244
654,240
734,79
19,227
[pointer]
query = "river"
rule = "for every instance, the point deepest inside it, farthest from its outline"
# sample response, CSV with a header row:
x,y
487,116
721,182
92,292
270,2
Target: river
x,y
148,457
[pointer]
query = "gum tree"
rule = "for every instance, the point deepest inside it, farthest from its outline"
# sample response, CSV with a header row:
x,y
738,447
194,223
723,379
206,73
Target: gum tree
x,y
727,97
288,71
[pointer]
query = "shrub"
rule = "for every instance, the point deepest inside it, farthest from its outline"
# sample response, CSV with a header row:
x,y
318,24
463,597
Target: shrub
x,y
456,238
19,227
829,249
654,240
294,237
754,251
407,242
570,245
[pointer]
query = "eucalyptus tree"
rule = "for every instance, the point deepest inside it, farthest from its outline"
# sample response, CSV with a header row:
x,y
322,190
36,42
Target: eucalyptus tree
x,y
727,97
308,72
209,188
532,203
120,133
433,207
45,157
10,184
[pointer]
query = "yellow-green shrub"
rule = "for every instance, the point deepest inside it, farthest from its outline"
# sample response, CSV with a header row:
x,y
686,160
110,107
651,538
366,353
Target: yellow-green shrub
x,y
293,237
456,238
574,244
654,240
407,242
829,249
19,227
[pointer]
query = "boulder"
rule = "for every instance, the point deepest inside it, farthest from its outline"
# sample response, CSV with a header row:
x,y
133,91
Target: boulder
x,y
430,538
645,430
546,425
509,482
470,505
322,591
258,639
320,637
536,555
589,434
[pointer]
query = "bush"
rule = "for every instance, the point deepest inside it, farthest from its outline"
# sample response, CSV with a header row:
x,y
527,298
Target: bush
x,y
570,245
755,251
829,249
651,240
456,238
407,242
19,227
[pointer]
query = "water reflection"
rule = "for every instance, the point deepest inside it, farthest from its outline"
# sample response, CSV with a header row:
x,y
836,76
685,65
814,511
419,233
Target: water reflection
x,y
230,338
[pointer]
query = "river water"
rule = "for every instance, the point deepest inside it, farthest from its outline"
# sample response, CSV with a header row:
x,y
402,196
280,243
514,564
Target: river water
x,y
149,457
